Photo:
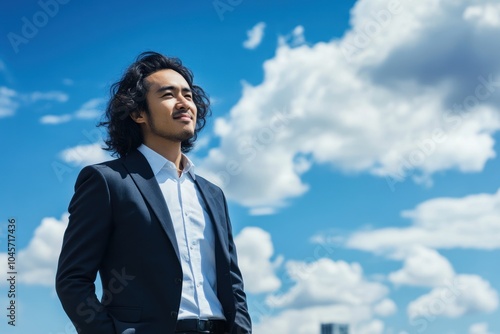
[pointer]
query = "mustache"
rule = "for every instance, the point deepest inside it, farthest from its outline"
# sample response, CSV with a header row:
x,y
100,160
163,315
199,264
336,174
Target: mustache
x,y
177,113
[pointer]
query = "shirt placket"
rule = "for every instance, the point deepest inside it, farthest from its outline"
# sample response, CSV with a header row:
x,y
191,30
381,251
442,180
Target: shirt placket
x,y
190,241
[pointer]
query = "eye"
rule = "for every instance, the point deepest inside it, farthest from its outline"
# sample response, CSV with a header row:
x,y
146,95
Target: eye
x,y
188,96
167,94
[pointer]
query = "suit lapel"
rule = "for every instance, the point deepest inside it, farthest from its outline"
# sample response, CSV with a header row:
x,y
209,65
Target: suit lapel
x,y
216,211
140,171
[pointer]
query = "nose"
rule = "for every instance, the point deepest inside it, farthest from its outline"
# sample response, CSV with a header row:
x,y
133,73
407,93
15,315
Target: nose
x,y
182,103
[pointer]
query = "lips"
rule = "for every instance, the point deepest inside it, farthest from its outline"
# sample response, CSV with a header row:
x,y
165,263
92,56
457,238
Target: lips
x,y
183,116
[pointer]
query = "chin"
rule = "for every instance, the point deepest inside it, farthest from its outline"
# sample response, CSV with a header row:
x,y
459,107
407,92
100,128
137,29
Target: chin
x,y
187,134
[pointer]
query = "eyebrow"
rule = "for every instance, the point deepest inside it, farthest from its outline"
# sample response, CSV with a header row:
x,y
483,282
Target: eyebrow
x,y
164,88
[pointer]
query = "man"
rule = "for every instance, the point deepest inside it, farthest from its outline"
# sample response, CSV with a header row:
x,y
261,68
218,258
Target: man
x,y
159,235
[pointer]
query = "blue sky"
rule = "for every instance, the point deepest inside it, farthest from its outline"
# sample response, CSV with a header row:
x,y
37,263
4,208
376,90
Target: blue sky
x,y
356,141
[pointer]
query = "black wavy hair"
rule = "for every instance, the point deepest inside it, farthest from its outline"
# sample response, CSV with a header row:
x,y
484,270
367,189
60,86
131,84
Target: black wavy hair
x,y
129,95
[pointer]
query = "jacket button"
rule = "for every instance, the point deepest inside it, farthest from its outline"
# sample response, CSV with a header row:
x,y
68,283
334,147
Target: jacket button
x,y
173,314
178,280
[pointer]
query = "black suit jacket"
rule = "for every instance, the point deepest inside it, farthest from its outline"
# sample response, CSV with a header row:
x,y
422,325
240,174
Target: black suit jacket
x,y
120,226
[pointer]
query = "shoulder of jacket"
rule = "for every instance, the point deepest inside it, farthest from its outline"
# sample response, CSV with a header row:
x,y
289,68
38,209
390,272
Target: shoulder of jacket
x,y
207,183
106,168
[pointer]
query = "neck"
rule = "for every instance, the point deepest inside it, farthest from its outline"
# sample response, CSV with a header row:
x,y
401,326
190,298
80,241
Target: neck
x,y
167,149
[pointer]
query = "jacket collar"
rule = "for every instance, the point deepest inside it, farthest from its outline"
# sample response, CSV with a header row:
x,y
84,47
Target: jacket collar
x,y
143,177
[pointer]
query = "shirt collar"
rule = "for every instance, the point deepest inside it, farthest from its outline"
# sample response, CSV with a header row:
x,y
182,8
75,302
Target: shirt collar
x,y
158,162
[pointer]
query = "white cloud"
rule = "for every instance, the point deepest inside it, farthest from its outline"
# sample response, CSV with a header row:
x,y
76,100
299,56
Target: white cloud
x,y
201,143
55,119
8,103
48,96
485,15
255,36
37,262
262,211
298,35
10,100
68,82
322,291
451,296
90,109
238,173
385,308
255,250
399,106
423,267
468,222
309,320
83,155
479,328
327,282
295,38
372,327
467,294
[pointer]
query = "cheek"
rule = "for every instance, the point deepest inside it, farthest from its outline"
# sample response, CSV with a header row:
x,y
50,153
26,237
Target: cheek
x,y
168,104
195,111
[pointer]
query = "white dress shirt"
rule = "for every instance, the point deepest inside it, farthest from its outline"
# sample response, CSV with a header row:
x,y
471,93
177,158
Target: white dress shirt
x,y
194,233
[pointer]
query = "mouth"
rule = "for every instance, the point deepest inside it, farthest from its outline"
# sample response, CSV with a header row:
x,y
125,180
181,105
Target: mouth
x,y
185,116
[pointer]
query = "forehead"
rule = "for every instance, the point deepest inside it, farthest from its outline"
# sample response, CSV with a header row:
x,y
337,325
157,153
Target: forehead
x,y
166,77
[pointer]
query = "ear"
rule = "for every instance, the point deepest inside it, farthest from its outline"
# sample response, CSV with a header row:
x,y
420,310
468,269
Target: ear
x,y
138,116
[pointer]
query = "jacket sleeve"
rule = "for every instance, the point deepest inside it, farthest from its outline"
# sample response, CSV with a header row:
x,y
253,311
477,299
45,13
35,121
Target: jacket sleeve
x,y
83,248
242,321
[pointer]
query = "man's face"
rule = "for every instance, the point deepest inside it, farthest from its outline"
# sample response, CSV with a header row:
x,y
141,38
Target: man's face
x,y
172,112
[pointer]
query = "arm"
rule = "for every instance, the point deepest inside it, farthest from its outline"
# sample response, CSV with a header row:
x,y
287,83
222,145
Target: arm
x,y
242,321
83,248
